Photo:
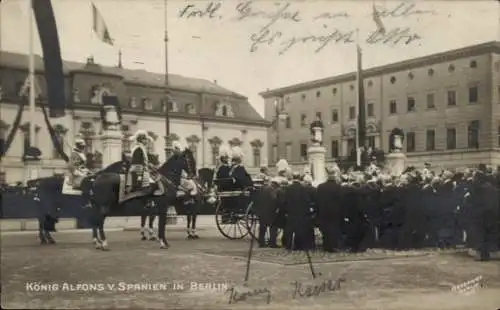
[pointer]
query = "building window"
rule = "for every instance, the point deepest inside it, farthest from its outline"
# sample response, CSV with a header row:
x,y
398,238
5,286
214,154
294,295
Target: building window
x,y
473,95
303,120
371,141
335,148
132,102
410,76
288,99
334,90
303,151
370,83
370,111
256,157
351,87
473,135
303,96
352,112
451,138
335,116
147,103
430,72
126,143
393,107
288,122
318,115
431,140
498,134
318,94
3,178
289,151
451,68
351,146
430,101
411,104
215,154
275,153
473,64
60,133
452,98
393,79
224,110
410,142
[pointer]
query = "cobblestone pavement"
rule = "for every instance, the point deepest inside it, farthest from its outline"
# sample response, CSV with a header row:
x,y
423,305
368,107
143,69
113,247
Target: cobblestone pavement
x,y
88,278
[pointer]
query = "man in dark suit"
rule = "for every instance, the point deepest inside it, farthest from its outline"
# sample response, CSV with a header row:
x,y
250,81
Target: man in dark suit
x,y
299,228
329,211
265,206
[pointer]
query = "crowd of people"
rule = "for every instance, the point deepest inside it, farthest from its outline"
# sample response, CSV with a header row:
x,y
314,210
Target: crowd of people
x,y
367,208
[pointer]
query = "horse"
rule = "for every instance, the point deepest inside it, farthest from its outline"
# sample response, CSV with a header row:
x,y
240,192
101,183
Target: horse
x,y
101,192
148,214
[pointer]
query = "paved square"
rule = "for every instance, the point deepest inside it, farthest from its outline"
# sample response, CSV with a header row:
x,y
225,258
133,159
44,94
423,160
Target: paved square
x,y
195,274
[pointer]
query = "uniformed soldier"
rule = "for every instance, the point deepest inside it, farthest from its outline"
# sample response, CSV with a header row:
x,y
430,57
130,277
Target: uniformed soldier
x,y
222,172
139,176
241,178
78,164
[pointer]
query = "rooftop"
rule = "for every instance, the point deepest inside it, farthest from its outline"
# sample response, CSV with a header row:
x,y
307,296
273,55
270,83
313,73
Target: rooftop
x,y
20,61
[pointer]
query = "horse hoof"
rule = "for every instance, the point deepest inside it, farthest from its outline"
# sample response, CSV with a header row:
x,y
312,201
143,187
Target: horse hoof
x,y
143,238
164,245
196,237
52,241
43,242
105,248
153,239
190,237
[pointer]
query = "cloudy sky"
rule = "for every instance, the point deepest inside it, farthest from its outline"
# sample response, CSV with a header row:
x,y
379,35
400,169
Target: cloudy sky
x,y
311,39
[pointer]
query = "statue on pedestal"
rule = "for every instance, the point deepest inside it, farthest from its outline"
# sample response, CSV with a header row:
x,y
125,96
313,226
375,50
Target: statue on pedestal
x,y
396,140
317,131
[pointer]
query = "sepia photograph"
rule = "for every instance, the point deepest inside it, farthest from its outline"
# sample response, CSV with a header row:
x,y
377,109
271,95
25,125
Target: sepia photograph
x,y
250,154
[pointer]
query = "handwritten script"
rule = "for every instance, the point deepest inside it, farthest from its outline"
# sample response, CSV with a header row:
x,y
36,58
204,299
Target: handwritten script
x,y
278,25
238,295
302,290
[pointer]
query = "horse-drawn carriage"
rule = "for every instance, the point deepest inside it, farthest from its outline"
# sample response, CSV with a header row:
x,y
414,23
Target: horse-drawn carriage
x,y
234,216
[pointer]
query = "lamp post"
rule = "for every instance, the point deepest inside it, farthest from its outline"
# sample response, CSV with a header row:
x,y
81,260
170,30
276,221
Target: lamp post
x,y
280,115
168,99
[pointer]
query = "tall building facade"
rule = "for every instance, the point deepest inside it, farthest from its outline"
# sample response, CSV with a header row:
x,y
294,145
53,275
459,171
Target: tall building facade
x,y
203,116
448,105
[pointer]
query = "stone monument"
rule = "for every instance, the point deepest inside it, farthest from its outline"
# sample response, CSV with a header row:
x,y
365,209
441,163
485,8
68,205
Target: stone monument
x,y
396,159
111,136
316,152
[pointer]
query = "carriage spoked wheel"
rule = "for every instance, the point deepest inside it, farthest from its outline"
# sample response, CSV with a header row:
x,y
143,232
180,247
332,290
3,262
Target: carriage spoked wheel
x,y
231,222
251,221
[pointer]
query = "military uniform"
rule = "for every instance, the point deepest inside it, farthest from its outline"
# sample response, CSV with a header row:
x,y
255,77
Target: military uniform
x,y
78,164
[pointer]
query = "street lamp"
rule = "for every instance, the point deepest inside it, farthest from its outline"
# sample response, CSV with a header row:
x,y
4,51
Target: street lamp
x,y
280,115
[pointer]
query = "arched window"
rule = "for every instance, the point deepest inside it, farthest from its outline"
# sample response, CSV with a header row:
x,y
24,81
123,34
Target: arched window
x,y
224,110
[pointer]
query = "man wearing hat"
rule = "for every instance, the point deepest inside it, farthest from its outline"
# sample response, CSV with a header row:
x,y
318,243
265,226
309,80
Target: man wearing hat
x,y
78,164
329,210
138,176
222,171
297,206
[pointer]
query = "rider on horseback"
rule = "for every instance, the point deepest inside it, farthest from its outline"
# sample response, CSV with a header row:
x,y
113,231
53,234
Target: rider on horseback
x,y
78,164
138,175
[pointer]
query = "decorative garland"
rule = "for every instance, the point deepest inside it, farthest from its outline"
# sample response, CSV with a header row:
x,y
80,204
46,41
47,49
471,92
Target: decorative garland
x,y
15,128
53,136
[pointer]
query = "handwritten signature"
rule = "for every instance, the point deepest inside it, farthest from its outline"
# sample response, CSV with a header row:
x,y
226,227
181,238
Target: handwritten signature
x,y
302,290
238,296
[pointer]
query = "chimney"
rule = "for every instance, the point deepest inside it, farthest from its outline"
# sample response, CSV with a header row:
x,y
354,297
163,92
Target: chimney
x,y
215,81
90,60
120,59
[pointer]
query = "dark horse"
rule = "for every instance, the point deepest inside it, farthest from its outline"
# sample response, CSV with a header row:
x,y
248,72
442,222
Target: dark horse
x,y
101,191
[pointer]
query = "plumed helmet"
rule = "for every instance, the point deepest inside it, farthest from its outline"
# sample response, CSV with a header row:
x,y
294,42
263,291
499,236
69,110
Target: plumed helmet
x,y
177,145
141,135
79,141
237,152
282,166
224,151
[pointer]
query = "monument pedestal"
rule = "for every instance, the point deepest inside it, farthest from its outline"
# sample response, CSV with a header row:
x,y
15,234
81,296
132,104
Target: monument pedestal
x,y
316,158
396,163
111,147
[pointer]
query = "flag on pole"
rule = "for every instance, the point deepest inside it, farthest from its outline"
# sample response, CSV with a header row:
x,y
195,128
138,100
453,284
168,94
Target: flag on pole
x,y
54,75
99,26
378,20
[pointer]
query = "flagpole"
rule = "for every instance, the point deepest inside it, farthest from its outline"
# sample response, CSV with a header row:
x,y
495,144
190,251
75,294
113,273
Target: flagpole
x,y
32,87
358,151
168,143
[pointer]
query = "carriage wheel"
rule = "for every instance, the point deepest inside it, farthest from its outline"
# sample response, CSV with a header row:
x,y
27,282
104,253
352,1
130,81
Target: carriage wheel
x,y
230,223
251,221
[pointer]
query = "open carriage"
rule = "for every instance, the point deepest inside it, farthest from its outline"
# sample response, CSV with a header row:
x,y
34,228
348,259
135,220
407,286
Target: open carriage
x,y
234,216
